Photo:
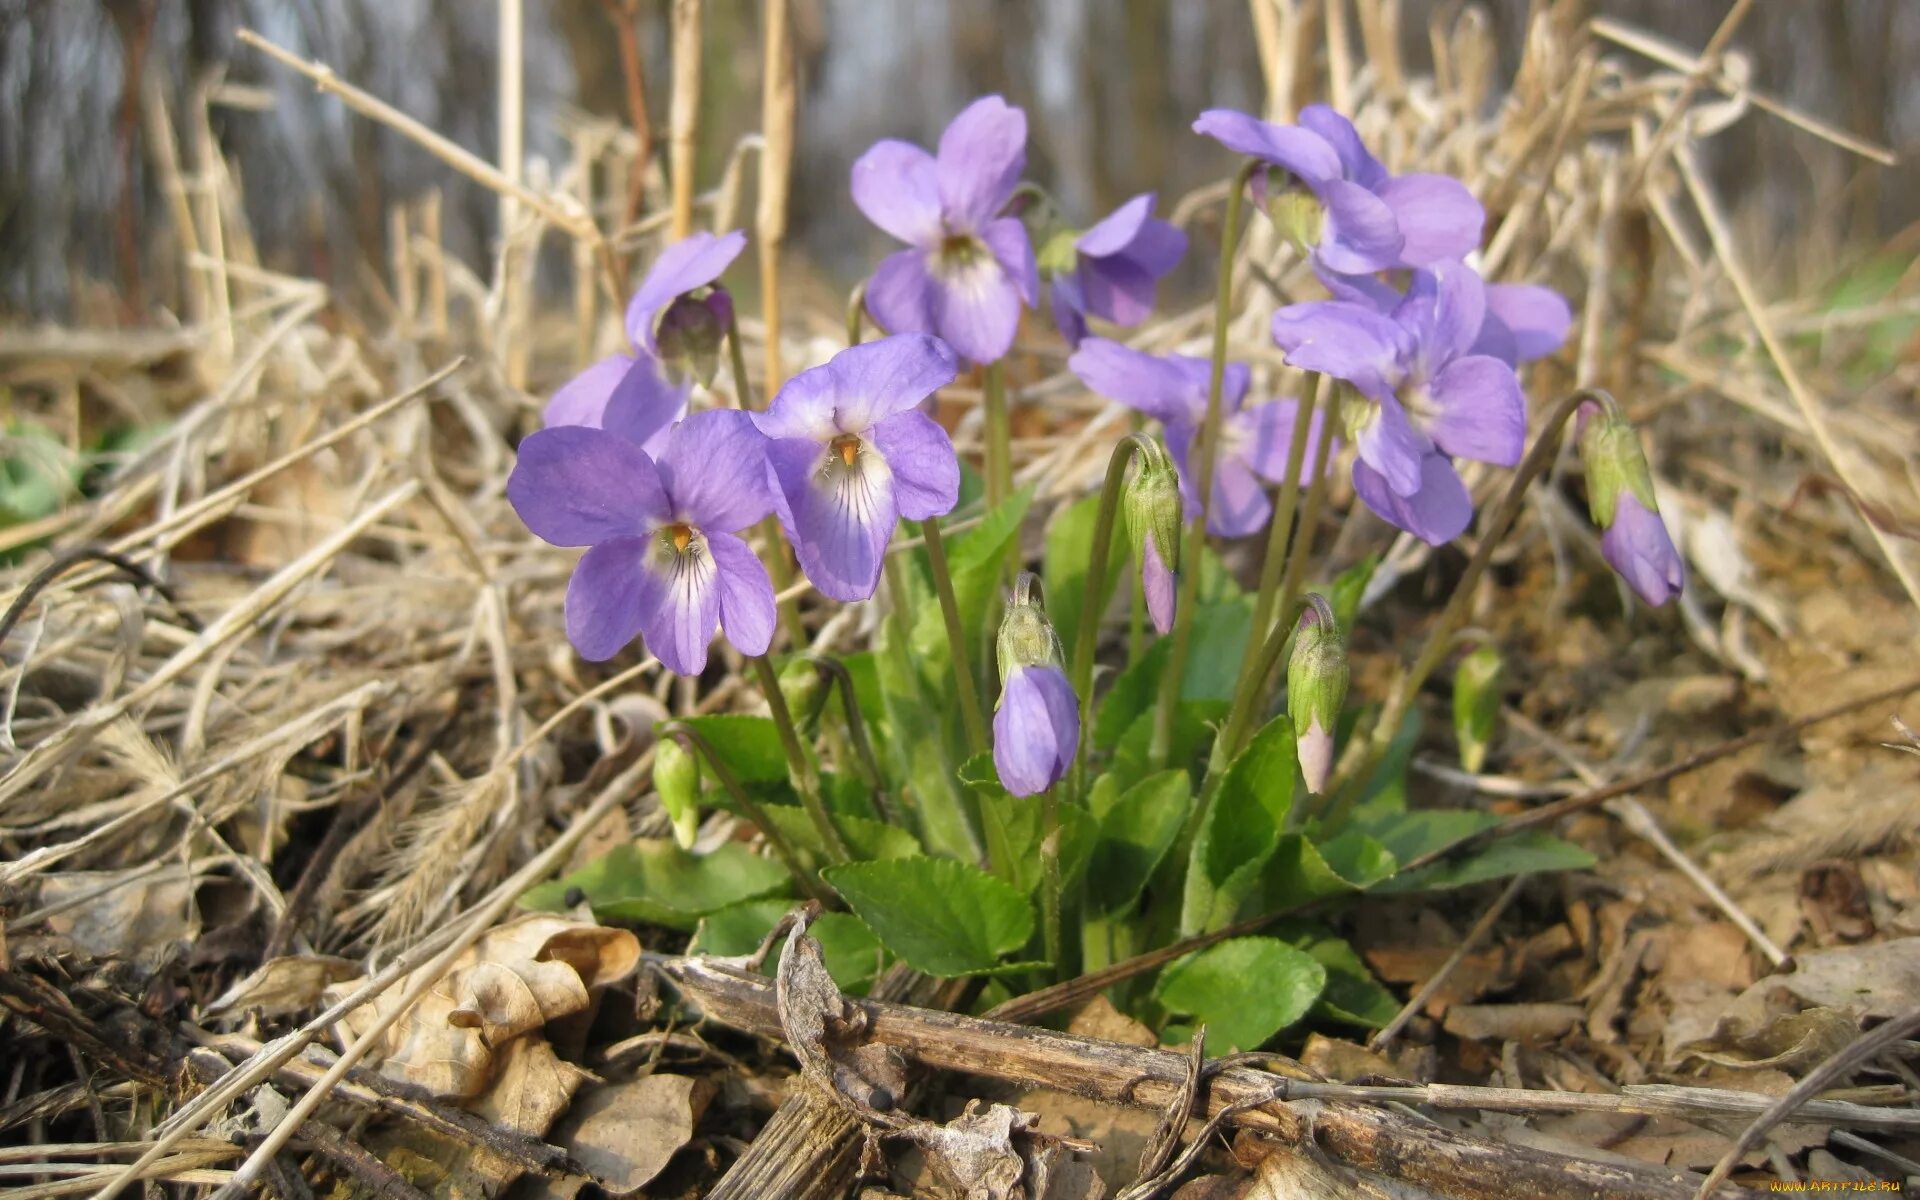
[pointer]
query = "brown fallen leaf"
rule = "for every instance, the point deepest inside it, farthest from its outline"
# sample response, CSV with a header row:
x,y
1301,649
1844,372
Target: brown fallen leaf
x,y
1098,1018
138,916
531,1087
283,986
625,1133
512,981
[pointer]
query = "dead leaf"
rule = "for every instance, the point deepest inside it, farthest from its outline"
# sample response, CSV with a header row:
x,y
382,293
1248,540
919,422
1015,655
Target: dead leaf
x,y
510,982
974,1152
531,1087
827,1032
283,986
138,916
1342,1060
1304,1173
1098,1018
625,1133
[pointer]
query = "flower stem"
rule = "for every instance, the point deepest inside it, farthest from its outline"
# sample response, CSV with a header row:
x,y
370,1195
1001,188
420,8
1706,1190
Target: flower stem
x,y
1280,538
970,710
835,672
1087,633
738,357
1173,680
749,808
798,768
1362,755
999,436
1050,879
1241,720
856,314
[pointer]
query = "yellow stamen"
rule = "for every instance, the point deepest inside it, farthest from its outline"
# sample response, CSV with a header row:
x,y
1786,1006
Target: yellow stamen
x,y
682,535
848,448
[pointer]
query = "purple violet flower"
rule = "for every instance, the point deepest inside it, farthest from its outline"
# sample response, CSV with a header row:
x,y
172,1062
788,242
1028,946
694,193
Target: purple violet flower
x,y
664,561
1620,495
1419,394
1523,322
1639,549
853,453
1036,729
1365,219
1111,270
1036,724
628,393
1172,389
968,269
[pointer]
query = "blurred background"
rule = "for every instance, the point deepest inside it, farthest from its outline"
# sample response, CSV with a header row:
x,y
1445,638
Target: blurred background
x,y
1110,87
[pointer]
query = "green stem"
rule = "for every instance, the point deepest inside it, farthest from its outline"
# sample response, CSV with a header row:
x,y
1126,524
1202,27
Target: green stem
x,y
1362,755
739,359
1172,681
1280,537
780,571
1050,879
835,672
1241,720
1087,633
798,768
998,457
856,314
749,808
969,695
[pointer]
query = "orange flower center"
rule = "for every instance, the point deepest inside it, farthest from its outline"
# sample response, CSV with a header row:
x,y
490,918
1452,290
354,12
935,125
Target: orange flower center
x,y
847,447
682,535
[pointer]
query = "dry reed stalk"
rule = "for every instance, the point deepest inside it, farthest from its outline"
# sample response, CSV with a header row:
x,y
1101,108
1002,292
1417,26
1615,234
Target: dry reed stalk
x,y
683,112
512,83
777,108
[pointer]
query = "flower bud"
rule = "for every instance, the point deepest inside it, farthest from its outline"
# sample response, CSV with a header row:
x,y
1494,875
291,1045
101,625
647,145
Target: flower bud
x,y
1026,636
691,331
1620,495
1610,450
805,691
1476,705
1036,723
1316,689
676,780
1299,218
1151,504
1059,254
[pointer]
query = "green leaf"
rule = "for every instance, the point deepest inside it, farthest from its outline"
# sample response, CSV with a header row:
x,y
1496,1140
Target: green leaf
x,y
1194,725
1385,791
1522,854
940,916
1137,828
865,838
749,746
1014,827
656,882
38,473
1241,829
1352,994
1213,664
1244,990
1410,835
853,955
1069,549
1344,593
1302,872
738,929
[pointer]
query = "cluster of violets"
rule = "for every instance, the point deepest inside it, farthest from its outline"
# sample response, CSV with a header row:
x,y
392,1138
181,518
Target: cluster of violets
x,y
1422,353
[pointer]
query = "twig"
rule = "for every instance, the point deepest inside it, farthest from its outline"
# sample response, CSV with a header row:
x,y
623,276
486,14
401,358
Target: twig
x,y
683,112
466,162
776,169
69,559
1481,928
1799,1098
1638,820
1365,1138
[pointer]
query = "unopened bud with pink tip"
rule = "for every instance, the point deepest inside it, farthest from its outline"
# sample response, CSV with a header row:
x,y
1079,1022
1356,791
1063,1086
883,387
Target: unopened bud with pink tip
x,y
1316,689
